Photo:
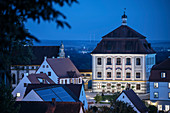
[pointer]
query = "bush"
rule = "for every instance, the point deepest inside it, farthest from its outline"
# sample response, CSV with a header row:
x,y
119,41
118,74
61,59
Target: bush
x,y
97,98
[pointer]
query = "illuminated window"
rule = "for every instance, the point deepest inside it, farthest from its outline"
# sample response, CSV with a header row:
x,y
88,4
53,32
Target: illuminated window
x,y
128,61
168,95
156,95
118,75
98,85
99,74
71,81
109,61
166,107
18,95
138,61
99,61
156,85
163,74
160,107
108,74
168,85
137,75
118,62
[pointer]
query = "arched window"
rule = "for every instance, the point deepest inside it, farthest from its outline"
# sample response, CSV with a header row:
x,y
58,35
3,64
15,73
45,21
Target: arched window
x,y
99,61
13,79
138,61
109,61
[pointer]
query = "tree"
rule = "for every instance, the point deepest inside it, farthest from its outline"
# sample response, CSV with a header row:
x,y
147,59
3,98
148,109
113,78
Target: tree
x,y
7,101
97,98
13,16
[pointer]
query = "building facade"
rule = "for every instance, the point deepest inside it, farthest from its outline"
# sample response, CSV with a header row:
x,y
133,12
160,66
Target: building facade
x,y
123,58
160,85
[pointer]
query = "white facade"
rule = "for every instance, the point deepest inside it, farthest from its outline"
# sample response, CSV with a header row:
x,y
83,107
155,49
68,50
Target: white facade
x,y
122,73
45,68
125,99
19,91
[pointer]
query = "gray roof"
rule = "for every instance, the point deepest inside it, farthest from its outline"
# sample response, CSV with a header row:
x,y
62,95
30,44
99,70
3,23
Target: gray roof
x,y
137,102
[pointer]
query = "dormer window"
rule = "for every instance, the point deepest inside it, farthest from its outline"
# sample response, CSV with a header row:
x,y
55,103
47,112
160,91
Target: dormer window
x,y
163,74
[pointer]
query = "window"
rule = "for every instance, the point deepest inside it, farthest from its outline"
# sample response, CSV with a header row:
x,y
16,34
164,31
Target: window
x,y
138,61
99,74
99,61
99,86
108,85
71,81
109,61
25,84
66,81
79,80
163,74
137,75
88,75
41,72
22,75
166,107
160,107
18,94
156,95
13,79
128,75
168,85
156,85
74,81
137,86
118,61
43,66
46,66
61,81
128,62
49,73
32,67
108,74
169,95
118,75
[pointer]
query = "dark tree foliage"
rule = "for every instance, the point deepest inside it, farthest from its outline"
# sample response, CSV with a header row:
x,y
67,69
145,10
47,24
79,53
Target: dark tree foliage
x,y
7,101
13,34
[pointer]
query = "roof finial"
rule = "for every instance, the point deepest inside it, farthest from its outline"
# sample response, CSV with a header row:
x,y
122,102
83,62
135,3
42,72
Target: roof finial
x,y
124,18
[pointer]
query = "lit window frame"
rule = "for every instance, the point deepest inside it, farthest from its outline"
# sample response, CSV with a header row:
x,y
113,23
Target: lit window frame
x,y
156,85
163,74
157,94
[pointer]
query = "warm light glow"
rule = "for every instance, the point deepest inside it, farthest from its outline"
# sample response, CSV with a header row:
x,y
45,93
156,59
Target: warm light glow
x,y
107,101
18,94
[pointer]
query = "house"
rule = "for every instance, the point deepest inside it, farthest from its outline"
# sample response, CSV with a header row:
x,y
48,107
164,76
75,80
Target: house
x,y
39,52
130,97
160,85
50,107
62,93
123,58
60,70
41,78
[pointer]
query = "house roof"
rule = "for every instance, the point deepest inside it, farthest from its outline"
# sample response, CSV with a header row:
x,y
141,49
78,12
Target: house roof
x,y
63,67
39,52
60,92
123,46
49,107
34,78
156,71
137,102
122,32
74,88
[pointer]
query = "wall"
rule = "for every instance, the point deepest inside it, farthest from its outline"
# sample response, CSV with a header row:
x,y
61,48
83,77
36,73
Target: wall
x,y
32,96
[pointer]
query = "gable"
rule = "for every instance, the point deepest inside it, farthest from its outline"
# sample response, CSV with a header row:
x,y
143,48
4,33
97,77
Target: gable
x,y
32,96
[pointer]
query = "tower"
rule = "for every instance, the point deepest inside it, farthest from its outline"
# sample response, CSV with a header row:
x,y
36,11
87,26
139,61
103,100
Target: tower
x,y
62,53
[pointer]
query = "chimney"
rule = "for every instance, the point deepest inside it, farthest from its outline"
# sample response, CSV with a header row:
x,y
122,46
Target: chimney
x,y
53,101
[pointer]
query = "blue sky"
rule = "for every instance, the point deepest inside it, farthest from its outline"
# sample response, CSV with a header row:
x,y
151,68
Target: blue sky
x,y
91,19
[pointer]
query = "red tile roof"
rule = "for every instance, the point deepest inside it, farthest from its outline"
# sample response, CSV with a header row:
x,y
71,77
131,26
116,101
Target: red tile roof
x,y
34,78
158,69
49,107
61,67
